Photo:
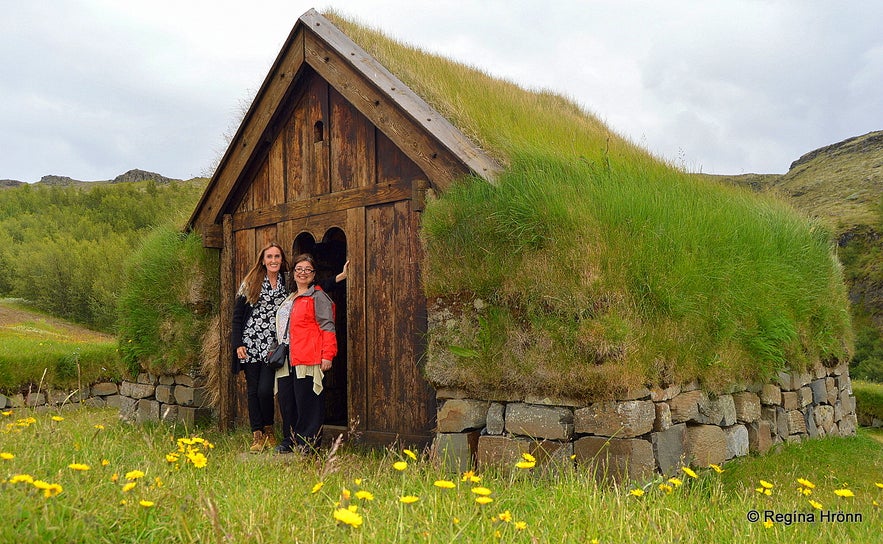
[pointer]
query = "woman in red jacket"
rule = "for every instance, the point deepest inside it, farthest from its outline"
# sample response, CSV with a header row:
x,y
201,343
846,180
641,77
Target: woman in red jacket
x,y
309,313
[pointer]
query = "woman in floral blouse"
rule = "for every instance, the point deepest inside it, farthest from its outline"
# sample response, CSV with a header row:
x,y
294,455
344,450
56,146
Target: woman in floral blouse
x,y
254,330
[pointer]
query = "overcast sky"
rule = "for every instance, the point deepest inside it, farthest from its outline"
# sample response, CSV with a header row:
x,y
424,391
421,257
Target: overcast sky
x,y
93,88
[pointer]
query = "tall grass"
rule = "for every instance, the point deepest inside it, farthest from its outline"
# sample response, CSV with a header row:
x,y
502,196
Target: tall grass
x,y
600,267
169,297
237,497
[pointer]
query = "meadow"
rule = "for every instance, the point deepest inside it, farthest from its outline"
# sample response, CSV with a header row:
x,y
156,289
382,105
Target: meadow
x,y
82,475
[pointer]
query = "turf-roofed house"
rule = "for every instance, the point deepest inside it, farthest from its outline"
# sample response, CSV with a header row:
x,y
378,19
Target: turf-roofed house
x,y
522,279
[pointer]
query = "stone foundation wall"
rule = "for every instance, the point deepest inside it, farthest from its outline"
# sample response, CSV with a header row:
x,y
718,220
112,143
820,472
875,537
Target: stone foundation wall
x,y
647,431
170,399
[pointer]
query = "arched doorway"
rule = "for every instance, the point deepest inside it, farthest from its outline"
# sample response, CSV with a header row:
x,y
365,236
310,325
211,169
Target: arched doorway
x,y
330,255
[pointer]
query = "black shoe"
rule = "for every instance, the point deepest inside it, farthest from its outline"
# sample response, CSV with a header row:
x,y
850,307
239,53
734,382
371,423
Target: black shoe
x,y
284,448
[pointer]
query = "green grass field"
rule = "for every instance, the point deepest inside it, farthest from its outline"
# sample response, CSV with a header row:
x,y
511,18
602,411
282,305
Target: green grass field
x,y
84,476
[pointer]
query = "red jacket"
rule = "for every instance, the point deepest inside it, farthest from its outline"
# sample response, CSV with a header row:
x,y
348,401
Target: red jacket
x,y
311,328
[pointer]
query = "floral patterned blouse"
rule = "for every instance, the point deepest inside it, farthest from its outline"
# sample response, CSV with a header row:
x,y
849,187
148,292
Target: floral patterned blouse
x,y
260,329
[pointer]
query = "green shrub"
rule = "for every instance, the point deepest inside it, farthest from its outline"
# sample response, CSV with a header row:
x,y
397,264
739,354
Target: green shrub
x,y
169,293
868,399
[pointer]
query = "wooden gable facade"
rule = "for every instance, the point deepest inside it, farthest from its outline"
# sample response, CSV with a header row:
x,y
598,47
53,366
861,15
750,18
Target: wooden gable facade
x,y
334,157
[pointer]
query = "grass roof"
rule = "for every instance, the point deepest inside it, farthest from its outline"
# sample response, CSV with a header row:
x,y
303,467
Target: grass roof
x,y
592,266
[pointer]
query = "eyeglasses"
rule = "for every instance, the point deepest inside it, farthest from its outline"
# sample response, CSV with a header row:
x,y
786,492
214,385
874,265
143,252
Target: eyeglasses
x,y
300,270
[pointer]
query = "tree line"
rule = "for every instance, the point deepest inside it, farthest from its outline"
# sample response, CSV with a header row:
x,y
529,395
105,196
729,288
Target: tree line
x,y
64,248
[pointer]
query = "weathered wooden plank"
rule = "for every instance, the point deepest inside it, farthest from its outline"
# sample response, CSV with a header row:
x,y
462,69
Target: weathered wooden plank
x,y
392,164
317,149
212,235
264,236
353,198
358,76
243,253
226,391
352,146
356,308
251,132
260,186
276,161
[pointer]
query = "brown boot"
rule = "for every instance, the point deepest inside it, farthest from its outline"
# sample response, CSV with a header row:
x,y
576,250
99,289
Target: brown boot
x,y
270,436
258,443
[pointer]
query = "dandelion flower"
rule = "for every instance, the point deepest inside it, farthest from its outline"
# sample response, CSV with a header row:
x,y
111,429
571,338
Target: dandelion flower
x,y
716,468
364,495
768,524
411,454
198,459
665,487
6,455
636,492
145,504
689,472
49,490
134,474
358,481
483,491
57,418
348,517
766,485
806,483
409,499
484,500
844,493
115,477
129,486
104,462
470,476
78,466
99,426
345,494
525,464
675,482
815,504
172,457
520,525
528,457
6,413
505,516
317,487
444,484
27,478
878,484
400,465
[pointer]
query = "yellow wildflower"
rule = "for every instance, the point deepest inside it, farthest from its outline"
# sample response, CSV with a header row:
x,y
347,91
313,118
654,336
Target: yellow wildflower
x,y
317,487
444,484
766,485
411,454
470,476
129,486
345,494
27,478
689,472
115,477
134,474
99,426
57,418
483,491
358,481
878,484
525,464
768,524
172,457
520,525
198,459
49,490
528,457
348,517
6,455
6,413
717,468
409,499
636,492
806,483
78,466
104,462
675,482
815,504
145,504
665,487
364,495
844,493
484,500
505,516
400,465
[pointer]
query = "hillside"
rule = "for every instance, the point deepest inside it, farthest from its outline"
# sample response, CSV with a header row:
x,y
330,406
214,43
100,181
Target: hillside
x,y
131,176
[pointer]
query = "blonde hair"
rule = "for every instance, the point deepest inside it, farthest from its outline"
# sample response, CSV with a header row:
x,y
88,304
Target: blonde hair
x,y
251,285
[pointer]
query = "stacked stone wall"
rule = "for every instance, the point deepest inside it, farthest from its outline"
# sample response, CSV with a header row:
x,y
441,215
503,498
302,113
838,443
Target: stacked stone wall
x,y
170,399
647,431
179,398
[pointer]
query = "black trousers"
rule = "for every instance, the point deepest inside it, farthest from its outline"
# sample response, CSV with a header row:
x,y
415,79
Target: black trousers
x,y
259,381
303,411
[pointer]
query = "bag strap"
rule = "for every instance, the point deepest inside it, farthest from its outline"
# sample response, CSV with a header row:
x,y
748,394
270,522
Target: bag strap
x,y
287,322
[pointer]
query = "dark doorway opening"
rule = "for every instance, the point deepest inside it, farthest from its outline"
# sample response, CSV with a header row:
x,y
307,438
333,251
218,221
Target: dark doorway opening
x,y
330,256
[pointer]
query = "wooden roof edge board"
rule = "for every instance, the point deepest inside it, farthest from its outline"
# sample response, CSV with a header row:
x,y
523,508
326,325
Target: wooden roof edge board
x,y
406,99
233,147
